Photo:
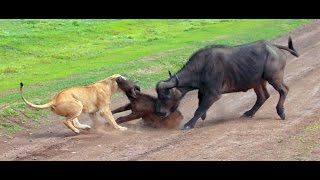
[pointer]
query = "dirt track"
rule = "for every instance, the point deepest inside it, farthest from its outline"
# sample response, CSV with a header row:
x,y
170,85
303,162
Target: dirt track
x,y
222,136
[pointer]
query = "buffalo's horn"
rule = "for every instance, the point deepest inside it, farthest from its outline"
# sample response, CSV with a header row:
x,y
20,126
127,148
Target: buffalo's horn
x,y
166,85
177,80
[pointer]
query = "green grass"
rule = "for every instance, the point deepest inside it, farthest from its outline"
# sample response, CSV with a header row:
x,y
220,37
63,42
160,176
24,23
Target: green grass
x,y
13,116
34,115
313,127
9,127
8,112
306,140
50,55
36,51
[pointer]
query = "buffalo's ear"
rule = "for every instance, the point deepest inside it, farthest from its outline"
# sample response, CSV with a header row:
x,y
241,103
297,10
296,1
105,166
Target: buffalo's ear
x,y
170,74
132,94
136,87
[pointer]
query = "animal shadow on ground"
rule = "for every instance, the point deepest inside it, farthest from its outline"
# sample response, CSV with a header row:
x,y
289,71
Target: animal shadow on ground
x,y
50,134
221,120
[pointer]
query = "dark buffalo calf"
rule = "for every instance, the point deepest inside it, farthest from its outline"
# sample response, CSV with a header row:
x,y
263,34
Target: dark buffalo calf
x,y
143,106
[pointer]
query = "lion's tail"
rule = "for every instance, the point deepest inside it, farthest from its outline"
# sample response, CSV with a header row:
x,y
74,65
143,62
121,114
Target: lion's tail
x,y
44,106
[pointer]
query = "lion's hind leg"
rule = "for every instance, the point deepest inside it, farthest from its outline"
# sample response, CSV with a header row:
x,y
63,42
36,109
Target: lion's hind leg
x,y
71,110
77,124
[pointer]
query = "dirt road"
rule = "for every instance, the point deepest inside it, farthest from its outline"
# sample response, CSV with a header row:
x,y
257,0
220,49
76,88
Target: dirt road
x,y
222,136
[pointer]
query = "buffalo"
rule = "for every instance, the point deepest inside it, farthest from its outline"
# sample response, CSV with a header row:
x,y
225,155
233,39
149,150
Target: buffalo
x,y
219,69
143,106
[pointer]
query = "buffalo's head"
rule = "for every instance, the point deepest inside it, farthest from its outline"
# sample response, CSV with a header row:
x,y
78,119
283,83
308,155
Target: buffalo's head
x,y
169,97
128,86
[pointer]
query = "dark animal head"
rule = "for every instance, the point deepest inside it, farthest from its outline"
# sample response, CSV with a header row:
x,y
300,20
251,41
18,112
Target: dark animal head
x,y
128,86
169,97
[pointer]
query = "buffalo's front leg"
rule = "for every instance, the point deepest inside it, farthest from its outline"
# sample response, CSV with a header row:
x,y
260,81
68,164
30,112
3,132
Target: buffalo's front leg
x,y
200,97
122,108
129,117
207,101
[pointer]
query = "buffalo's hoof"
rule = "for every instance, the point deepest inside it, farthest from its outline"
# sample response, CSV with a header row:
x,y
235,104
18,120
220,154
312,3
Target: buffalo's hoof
x,y
282,116
203,117
187,127
247,115
281,113
119,121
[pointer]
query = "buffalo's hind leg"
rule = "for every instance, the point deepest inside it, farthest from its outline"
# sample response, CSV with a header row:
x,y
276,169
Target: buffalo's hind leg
x,y
273,73
262,95
264,88
283,91
206,102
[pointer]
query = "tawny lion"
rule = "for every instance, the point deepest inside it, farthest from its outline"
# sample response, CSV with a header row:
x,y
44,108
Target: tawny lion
x,y
71,102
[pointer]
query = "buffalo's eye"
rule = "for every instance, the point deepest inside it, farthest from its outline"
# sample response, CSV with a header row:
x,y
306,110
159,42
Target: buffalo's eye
x,y
165,97
160,102
164,94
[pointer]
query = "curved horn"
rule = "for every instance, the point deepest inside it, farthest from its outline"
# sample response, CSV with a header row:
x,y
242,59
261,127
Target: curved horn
x,y
177,79
169,73
165,85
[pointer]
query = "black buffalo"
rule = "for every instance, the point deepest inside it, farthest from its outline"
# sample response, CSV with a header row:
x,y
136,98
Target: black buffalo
x,y
219,69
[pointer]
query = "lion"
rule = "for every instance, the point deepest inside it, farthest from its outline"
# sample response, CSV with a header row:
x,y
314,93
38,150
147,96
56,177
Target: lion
x,y
71,102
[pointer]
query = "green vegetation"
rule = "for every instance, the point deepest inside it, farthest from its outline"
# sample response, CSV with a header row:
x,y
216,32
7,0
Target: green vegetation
x,y
10,127
8,112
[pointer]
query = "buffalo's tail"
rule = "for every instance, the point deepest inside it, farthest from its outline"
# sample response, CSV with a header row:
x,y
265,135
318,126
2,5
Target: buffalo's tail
x,y
290,47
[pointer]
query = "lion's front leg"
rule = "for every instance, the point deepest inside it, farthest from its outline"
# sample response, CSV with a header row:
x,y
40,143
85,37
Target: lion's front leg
x,y
106,113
